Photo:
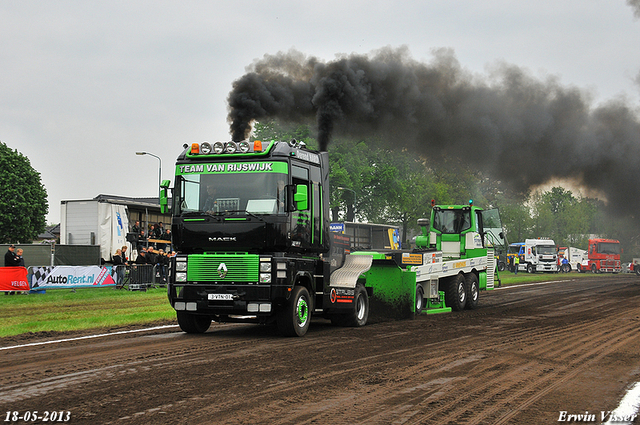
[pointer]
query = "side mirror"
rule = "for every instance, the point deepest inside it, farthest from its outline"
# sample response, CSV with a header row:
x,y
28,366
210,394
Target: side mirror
x,y
301,197
164,199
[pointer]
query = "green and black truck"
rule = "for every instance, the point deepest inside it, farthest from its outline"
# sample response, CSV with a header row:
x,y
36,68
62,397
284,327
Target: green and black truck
x,y
250,223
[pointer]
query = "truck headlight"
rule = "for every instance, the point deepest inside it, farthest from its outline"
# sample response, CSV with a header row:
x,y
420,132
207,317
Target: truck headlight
x,y
265,277
181,266
181,277
265,267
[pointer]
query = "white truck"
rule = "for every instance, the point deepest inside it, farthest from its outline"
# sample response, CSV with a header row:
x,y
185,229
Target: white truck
x,y
575,256
539,255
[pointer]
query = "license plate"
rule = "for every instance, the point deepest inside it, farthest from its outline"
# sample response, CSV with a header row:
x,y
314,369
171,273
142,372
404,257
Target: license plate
x,y
220,297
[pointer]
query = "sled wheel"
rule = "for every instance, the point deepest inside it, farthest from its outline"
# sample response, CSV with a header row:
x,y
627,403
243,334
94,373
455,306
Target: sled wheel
x,y
419,299
454,293
473,291
359,315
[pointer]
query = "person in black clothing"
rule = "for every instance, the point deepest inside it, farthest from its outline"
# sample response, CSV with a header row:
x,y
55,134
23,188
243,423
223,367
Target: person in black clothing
x,y
118,265
10,258
142,257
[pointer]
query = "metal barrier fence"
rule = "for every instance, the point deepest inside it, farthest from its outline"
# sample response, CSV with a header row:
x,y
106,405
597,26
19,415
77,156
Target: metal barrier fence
x,y
139,277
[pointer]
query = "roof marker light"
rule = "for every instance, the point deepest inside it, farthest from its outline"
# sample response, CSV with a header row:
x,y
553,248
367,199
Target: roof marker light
x,y
218,147
195,148
257,146
205,148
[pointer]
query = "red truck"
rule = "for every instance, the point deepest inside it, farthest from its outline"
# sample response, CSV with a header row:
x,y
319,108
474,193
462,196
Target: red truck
x,y
604,256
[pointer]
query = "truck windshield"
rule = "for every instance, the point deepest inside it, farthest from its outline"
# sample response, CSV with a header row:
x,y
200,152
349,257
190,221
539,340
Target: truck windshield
x,y
546,249
608,248
236,193
451,221
514,249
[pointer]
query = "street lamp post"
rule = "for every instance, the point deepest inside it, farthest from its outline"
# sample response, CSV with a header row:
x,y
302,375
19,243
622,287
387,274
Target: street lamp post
x,y
159,169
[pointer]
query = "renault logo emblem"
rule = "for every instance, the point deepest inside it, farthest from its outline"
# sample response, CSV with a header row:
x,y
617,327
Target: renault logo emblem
x,y
222,270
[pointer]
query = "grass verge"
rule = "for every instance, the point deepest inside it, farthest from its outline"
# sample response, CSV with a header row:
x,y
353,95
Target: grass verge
x,y
96,308
89,308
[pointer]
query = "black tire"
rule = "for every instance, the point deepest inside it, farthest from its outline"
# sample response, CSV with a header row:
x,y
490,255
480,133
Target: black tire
x,y
594,269
295,316
419,299
530,268
454,293
359,315
192,323
472,287
501,266
636,269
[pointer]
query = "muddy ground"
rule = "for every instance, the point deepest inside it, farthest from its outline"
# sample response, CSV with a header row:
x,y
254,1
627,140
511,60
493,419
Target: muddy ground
x,y
528,353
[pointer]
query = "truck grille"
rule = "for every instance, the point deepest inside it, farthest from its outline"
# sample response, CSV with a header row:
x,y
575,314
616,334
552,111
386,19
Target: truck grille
x,y
240,268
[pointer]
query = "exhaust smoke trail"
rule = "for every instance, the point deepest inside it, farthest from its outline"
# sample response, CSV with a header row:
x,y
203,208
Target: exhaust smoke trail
x,y
518,129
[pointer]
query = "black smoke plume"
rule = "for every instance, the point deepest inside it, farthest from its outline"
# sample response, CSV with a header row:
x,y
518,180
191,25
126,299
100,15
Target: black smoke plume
x,y
519,129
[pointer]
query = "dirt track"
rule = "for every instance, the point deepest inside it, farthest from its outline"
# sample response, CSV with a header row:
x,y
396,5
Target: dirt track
x,y
526,354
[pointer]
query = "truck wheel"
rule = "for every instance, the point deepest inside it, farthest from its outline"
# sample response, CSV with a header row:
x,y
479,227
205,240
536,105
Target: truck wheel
x,y
419,299
193,324
359,315
473,291
636,268
455,295
501,266
295,316
530,268
594,269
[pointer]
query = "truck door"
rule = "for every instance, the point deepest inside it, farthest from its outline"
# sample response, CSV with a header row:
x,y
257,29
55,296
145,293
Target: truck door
x,y
301,219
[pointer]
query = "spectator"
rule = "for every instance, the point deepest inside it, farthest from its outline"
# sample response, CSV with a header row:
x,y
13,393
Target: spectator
x,y
19,258
142,257
166,236
162,263
136,228
118,266
152,256
142,241
123,254
10,258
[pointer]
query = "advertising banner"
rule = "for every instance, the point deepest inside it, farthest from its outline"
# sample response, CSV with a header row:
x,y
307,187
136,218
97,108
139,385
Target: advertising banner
x,y
13,279
71,277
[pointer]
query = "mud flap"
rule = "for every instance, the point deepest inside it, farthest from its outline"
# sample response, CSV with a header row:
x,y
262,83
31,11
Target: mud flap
x,y
393,293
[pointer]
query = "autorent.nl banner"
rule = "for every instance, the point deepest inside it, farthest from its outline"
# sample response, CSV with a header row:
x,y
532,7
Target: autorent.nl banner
x,y
71,277
13,279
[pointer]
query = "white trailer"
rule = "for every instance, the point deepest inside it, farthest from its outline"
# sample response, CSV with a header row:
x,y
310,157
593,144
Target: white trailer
x,y
92,222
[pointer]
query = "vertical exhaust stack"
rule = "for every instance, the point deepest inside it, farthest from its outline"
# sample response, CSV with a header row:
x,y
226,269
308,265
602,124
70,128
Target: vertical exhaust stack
x,y
516,128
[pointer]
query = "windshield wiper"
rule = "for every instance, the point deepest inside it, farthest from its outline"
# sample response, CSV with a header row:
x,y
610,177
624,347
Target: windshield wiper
x,y
241,211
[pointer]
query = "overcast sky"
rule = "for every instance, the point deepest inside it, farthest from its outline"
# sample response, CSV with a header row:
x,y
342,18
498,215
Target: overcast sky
x,y
86,84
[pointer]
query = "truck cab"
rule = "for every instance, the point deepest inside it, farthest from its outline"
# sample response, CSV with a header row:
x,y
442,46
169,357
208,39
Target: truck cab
x,y
604,256
539,255
250,223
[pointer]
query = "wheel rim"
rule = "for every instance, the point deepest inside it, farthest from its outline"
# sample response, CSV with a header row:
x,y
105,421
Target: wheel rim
x,y
461,293
474,291
302,311
360,308
419,300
